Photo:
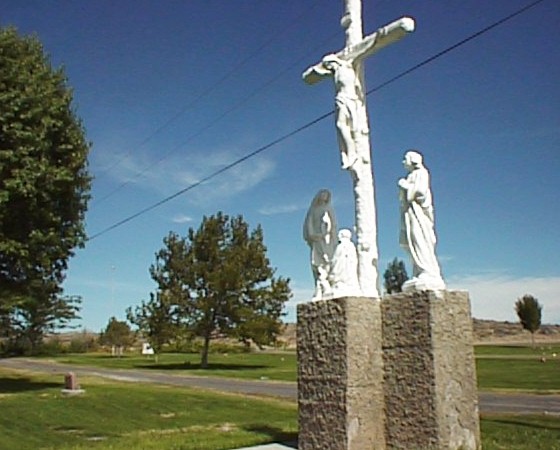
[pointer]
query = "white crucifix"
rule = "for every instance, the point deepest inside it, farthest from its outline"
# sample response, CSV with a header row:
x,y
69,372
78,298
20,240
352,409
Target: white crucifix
x,y
346,69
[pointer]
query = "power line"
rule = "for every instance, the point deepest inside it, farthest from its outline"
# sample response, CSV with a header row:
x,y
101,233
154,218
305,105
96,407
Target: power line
x,y
255,92
315,121
456,45
197,99
214,174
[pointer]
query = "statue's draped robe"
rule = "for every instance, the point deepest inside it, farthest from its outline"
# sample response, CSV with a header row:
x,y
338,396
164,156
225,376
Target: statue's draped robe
x,y
344,270
319,231
417,224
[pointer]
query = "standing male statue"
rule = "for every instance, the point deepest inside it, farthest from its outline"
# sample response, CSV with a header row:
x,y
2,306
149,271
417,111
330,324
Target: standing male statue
x,y
418,236
346,69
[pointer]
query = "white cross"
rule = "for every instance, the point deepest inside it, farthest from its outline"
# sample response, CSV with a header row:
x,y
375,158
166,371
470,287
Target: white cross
x,y
345,67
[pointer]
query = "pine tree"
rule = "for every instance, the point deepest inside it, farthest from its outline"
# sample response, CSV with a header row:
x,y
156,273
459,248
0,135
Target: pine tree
x,y
222,282
395,276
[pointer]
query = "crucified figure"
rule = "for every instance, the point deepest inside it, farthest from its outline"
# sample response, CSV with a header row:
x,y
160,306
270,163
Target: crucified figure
x,y
345,69
351,119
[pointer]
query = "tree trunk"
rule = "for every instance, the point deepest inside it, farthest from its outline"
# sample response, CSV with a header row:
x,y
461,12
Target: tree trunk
x,y
205,348
533,339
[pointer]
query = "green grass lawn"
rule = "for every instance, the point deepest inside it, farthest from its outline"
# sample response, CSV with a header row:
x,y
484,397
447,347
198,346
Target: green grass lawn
x,y
519,374
519,368
513,432
110,415
498,367
267,366
518,350
124,416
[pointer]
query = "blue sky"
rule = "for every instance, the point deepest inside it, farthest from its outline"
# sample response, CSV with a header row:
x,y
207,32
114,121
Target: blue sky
x,y
170,92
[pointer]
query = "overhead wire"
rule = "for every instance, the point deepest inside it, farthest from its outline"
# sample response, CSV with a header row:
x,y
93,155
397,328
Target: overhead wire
x,y
314,121
255,92
456,45
213,86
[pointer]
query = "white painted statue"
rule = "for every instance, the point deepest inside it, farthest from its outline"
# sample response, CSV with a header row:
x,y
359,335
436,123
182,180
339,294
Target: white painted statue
x,y
319,231
343,276
351,116
417,234
345,68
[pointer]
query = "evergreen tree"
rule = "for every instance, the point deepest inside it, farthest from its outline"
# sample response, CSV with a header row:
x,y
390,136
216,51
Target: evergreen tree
x,y
44,186
395,276
117,333
529,312
157,320
222,281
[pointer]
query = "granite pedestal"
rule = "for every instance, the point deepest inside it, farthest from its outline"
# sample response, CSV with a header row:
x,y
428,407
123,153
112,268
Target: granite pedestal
x,y
340,375
431,398
395,374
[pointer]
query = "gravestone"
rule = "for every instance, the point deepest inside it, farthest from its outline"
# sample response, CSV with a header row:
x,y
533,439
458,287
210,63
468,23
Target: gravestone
x,y
147,349
71,386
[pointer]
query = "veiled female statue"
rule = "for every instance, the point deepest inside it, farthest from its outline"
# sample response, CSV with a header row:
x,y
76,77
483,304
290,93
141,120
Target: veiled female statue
x,y
319,231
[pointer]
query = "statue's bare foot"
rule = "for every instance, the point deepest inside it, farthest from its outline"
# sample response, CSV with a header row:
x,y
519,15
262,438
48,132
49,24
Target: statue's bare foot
x,y
347,163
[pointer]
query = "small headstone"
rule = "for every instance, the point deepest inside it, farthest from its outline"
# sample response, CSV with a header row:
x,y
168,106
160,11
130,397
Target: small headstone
x,y
147,349
71,386
71,381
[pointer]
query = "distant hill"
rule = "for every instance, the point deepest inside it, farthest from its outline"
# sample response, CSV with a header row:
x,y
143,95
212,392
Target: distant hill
x,y
485,332
492,331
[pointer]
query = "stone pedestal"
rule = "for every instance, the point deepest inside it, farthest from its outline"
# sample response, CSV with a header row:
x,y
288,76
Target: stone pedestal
x,y
431,399
340,375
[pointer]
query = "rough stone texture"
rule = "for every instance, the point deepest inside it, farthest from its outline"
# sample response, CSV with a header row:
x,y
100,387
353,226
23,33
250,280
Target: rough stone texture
x,y
431,399
340,375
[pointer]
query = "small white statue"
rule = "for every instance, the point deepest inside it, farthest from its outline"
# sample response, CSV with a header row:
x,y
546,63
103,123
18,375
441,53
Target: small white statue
x,y
319,231
343,276
417,236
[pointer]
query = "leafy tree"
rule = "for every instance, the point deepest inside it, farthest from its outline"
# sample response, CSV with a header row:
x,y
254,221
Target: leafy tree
x,y
529,312
395,276
117,334
222,281
44,185
157,320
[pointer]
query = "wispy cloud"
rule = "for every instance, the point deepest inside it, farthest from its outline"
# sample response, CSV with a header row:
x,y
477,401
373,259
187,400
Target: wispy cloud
x,y
493,295
241,178
80,285
179,171
182,218
274,210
